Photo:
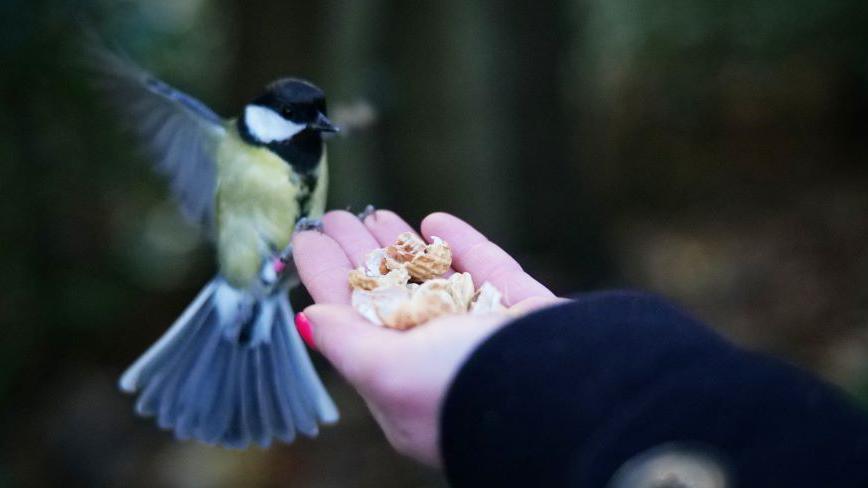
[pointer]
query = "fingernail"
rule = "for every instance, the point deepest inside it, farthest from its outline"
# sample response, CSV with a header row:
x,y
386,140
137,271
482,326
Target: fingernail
x,y
302,325
279,265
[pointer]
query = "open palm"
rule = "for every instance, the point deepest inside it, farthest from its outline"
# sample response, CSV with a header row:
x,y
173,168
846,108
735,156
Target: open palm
x,y
403,375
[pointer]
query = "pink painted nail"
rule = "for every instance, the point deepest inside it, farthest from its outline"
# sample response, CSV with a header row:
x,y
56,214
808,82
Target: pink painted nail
x,y
302,324
279,265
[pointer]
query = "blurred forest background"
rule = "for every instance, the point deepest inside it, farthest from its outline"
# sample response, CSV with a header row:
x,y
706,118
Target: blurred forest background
x,y
714,152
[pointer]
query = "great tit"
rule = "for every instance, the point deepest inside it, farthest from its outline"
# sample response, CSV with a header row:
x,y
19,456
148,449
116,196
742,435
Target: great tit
x,y
232,370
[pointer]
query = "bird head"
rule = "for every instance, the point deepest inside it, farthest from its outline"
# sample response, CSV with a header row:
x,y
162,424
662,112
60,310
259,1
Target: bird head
x,y
288,107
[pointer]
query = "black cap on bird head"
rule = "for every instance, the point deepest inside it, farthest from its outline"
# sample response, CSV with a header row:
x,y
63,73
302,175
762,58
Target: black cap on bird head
x,y
289,118
299,105
299,101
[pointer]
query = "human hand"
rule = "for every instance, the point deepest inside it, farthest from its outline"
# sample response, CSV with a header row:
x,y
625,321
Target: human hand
x,y
403,376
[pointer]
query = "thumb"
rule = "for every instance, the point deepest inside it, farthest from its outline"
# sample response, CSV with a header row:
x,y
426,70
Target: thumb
x,y
346,339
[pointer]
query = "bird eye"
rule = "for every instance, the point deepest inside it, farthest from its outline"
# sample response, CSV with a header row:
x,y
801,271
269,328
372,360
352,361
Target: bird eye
x,y
286,112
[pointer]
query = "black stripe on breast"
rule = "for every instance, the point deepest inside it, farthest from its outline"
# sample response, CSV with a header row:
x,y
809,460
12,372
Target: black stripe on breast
x,y
308,182
302,152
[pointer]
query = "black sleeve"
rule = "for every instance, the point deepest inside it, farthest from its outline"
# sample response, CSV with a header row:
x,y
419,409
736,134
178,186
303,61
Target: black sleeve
x,y
567,395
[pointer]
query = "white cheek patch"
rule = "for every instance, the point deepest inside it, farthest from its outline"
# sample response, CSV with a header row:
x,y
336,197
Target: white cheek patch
x,y
266,126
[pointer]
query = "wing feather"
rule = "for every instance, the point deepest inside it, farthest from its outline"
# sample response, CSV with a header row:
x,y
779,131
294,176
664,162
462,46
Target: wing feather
x,y
180,132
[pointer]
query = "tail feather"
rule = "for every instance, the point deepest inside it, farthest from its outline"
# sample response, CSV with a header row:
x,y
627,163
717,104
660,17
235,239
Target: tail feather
x,y
281,417
215,423
229,375
237,434
264,406
141,371
247,394
320,401
198,389
159,381
174,402
302,415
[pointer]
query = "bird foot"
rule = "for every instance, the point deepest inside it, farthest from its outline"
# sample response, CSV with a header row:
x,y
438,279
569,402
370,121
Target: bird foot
x,y
306,223
280,261
367,212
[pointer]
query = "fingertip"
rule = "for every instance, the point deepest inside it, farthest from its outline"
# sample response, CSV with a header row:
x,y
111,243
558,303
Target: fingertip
x,y
352,235
332,214
337,221
435,221
439,215
386,226
450,228
315,246
302,325
336,214
375,217
305,237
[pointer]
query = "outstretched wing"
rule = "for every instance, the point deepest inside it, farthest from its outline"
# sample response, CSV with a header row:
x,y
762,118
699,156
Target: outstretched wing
x,y
180,132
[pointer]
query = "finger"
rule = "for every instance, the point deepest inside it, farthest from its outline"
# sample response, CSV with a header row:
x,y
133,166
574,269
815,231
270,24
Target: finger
x,y
385,226
485,261
322,266
348,231
351,343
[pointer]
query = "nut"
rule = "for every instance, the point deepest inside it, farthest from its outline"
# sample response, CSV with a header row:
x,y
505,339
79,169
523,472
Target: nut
x,y
406,247
381,306
432,262
378,262
394,308
461,289
363,302
361,280
383,293
432,300
486,300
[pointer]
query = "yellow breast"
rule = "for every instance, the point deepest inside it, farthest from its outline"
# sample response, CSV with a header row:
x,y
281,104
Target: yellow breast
x,y
256,207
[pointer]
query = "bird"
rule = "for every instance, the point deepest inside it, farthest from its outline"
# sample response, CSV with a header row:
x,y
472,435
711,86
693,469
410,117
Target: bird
x,y
232,370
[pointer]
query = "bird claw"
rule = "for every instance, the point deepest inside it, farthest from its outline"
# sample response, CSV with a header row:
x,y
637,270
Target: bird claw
x,y
286,254
367,212
306,223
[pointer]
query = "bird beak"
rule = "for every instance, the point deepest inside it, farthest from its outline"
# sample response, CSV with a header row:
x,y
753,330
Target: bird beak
x,y
323,124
